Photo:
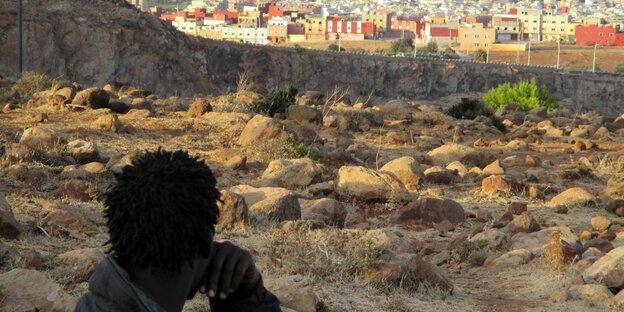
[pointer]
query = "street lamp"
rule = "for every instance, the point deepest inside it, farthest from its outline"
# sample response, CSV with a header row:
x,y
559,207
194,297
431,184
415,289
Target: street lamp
x,y
338,38
594,65
20,39
529,60
558,52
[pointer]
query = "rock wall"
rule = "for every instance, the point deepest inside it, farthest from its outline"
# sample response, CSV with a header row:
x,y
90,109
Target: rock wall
x,y
108,41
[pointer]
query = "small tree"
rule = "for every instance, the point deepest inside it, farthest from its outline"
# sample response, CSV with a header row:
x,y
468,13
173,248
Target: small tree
x,y
334,47
276,102
525,93
401,46
619,68
480,55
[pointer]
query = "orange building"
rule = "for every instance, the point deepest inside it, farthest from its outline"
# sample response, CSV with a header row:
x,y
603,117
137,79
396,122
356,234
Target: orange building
x,y
473,37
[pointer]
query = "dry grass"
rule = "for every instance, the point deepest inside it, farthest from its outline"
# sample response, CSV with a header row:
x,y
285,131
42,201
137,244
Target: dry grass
x,y
31,83
473,252
244,82
329,255
268,150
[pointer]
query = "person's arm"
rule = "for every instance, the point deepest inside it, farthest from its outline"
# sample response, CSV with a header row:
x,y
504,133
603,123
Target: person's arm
x,y
233,283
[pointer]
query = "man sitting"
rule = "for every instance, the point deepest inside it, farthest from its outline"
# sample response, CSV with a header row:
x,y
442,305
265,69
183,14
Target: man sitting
x,y
161,217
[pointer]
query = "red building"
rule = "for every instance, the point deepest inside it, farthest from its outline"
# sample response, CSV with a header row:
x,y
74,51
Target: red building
x,y
351,29
406,27
233,16
602,35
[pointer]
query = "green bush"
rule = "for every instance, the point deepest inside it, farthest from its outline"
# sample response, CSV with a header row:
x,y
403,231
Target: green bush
x,y
480,55
31,83
299,48
401,46
619,68
277,101
334,47
525,93
302,151
466,251
471,109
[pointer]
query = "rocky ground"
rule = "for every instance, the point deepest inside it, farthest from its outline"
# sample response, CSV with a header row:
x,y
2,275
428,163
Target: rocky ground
x,y
347,204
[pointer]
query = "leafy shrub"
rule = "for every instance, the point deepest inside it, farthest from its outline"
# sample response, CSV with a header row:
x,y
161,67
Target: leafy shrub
x,y
470,251
334,47
268,150
31,83
619,68
431,47
299,48
480,55
525,93
471,109
302,151
401,46
449,50
276,102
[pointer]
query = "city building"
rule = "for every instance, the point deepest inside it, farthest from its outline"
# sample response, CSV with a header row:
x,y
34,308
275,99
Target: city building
x,y
508,27
380,18
348,29
474,37
315,28
601,35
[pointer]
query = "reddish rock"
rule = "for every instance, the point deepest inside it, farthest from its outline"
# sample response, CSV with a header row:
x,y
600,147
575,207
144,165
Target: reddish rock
x,y
498,184
429,211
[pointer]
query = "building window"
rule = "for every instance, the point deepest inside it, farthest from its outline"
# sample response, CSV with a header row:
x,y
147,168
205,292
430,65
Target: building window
x,y
476,44
600,34
611,35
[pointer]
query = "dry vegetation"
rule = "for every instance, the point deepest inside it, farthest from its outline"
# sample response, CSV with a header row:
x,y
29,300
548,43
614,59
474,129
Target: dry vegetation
x,y
339,267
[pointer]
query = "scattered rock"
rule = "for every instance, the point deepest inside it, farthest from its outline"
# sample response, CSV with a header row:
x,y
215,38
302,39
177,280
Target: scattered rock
x,y
523,223
294,292
497,184
608,270
517,208
75,189
46,296
199,107
574,197
278,204
327,211
232,209
259,127
494,168
368,184
82,151
591,292
91,98
429,211
439,175
407,170
40,138
304,114
291,173
9,227
108,122
449,153
600,223
513,259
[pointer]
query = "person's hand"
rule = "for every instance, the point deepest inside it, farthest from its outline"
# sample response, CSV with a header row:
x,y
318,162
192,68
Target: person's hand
x,y
231,268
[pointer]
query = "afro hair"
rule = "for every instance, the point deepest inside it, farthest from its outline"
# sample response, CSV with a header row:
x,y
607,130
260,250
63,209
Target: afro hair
x,y
162,211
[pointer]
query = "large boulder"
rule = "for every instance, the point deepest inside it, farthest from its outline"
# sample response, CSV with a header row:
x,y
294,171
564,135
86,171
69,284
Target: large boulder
x,y
291,173
199,107
295,292
232,209
325,211
439,175
368,184
500,184
304,114
259,127
534,242
615,187
513,259
449,153
407,170
82,151
608,270
9,227
109,122
40,138
393,239
430,211
407,271
275,203
36,288
590,292
91,98
575,196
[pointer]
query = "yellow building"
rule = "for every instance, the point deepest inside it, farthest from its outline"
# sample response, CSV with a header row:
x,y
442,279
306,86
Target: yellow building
x,y
532,21
474,37
315,28
555,27
250,19
381,19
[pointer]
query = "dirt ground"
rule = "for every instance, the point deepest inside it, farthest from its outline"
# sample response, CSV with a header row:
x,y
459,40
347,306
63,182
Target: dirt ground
x,y
522,288
572,57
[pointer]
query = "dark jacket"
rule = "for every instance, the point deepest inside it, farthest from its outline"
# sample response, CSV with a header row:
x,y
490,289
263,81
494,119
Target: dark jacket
x,y
111,290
